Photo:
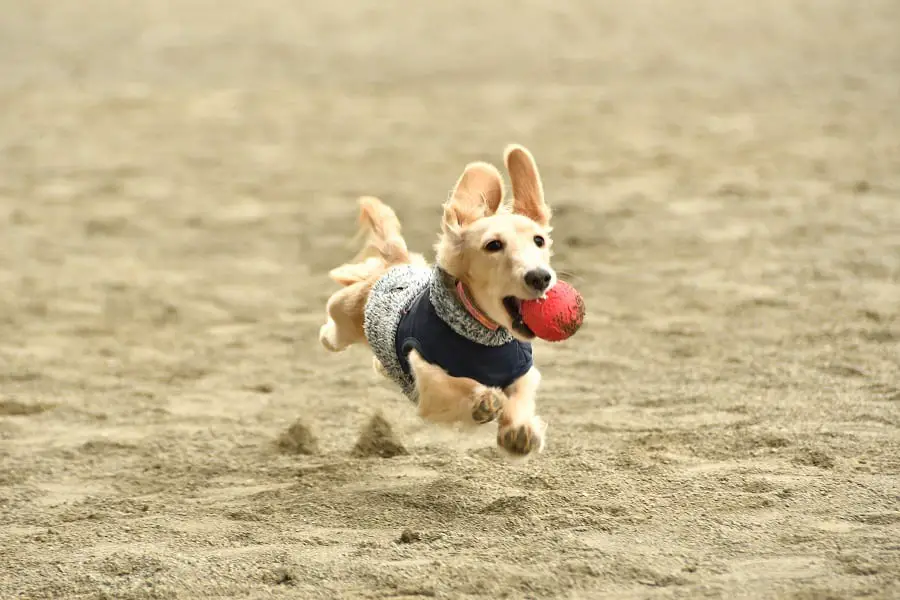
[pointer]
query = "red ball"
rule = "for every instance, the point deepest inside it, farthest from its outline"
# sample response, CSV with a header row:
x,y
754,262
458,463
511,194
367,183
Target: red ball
x,y
556,317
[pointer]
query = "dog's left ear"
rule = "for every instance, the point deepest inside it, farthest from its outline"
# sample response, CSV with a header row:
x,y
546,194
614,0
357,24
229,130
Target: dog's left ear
x,y
528,192
478,193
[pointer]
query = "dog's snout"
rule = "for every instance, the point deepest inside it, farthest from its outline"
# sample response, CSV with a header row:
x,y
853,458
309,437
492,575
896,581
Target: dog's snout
x,y
538,279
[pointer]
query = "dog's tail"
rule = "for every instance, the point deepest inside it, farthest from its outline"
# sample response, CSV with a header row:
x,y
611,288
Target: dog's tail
x,y
383,245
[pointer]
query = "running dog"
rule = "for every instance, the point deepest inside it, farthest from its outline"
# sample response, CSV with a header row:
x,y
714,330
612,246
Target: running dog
x,y
450,335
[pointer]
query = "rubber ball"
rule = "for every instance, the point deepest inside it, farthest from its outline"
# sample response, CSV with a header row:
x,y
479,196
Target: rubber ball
x,y
557,316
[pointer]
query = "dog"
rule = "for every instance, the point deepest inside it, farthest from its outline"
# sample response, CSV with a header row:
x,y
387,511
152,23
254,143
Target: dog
x,y
450,335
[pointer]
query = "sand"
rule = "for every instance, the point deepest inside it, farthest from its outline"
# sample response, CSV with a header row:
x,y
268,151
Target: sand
x,y
176,178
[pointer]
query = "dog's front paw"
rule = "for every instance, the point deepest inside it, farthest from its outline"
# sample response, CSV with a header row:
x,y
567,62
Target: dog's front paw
x,y
487,404
522,439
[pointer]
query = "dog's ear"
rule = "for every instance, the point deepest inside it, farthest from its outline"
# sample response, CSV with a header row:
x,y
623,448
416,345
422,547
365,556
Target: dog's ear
x,y
478,193
528,192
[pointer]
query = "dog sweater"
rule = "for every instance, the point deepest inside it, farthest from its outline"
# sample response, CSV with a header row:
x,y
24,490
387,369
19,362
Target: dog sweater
x,y
413,307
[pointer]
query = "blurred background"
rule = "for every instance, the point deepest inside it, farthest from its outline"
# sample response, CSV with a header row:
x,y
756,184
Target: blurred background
x,y
176,178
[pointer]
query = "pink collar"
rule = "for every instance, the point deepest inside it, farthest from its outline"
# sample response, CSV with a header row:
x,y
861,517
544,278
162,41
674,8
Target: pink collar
x,y
473,310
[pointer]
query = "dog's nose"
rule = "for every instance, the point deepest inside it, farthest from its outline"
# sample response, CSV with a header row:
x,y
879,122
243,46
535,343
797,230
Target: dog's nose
x,y
538,279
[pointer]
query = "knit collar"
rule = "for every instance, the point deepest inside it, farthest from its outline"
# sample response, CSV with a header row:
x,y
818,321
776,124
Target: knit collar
x,y
467,321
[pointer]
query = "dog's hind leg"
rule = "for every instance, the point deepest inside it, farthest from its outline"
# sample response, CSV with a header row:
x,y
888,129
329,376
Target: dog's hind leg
x,y
345,310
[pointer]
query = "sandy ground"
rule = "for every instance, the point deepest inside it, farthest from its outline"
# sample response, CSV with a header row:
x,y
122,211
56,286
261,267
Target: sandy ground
x,y
177,177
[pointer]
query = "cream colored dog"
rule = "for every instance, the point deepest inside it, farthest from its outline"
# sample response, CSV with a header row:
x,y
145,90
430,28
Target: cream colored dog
x,y
492,253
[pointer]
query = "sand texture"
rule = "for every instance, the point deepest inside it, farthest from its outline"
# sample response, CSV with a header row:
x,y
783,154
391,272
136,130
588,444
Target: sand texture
x,y
176,179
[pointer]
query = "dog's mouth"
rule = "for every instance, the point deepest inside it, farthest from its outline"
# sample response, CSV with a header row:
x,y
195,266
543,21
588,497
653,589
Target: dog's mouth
x,y
512,305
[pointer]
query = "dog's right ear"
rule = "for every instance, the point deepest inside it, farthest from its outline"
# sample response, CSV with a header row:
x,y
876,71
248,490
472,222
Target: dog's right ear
x,y
478,193
527,189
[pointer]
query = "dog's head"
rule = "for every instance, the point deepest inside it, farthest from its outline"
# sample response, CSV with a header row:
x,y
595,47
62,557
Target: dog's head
x,y
499,249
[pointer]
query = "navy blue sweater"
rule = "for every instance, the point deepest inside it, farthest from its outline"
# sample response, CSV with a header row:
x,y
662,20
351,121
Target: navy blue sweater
x,y
493,366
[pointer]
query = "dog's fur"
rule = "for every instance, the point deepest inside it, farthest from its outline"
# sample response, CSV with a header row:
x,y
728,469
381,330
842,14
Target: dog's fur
x,y
475,214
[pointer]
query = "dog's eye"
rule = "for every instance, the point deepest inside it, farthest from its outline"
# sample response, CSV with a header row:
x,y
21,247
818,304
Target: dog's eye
x,y
494,246
539,241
